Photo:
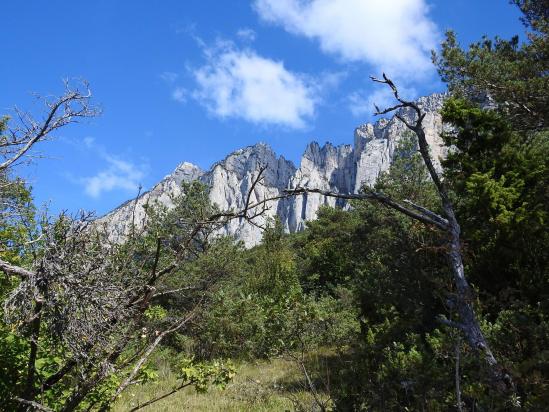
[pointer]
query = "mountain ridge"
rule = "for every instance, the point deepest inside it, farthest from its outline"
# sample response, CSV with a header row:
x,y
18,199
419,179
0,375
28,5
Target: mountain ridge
x,y
343,169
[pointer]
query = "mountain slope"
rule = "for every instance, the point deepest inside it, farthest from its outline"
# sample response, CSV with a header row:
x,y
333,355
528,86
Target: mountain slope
x,y
342,169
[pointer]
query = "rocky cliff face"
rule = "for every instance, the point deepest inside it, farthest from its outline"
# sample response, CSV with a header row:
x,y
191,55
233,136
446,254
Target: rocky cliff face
x,y
342,169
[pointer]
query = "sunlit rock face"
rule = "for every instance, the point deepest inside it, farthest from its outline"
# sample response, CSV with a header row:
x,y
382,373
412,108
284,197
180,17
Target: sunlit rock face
x,y
342,169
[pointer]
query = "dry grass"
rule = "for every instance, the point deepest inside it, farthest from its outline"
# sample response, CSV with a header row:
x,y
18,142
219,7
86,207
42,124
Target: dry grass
x,y
261,386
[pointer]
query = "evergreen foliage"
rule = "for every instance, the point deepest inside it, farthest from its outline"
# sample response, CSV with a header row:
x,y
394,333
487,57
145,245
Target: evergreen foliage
x,y
362,287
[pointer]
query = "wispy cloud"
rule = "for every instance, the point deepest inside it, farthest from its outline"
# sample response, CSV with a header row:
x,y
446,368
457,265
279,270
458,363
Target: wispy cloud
x,y
179,94
395,37
239,83
246,34
118,174
169,77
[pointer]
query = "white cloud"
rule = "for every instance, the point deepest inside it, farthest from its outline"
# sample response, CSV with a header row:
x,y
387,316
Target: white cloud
x,y
169,77
246,34
394,36
118,174
241,84
362,103
179,94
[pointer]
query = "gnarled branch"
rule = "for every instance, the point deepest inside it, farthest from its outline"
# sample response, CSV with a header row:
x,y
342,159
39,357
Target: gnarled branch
x,y
73,105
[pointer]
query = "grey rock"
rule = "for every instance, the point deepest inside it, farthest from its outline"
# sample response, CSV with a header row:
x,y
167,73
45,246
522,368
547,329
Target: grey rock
x,y
342,169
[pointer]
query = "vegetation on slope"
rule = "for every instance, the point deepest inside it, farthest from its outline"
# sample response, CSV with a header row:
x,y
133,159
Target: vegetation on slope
x,y
345,315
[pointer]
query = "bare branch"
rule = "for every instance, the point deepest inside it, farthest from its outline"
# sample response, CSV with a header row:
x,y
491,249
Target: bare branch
x,y
155,264
68,108
255,182
37,406
175,327
469,324
159,398
57,376
10,269
173,291
450,323
427,212
375,196
417,128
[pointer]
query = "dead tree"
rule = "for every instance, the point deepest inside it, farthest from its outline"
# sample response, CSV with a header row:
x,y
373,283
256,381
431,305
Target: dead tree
x,y
72,106
20,134
89,296
447,223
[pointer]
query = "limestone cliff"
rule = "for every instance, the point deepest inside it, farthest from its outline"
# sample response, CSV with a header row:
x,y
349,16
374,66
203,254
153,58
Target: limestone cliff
x,y
342,169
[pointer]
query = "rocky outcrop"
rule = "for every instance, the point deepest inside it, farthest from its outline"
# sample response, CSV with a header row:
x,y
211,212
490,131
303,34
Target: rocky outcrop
x,y
343,169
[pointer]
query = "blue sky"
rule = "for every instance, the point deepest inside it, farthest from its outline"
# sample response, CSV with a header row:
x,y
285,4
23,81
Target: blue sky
x,y
194,80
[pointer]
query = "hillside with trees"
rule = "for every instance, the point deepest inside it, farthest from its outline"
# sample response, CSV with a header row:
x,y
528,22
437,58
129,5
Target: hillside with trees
x,y
426,291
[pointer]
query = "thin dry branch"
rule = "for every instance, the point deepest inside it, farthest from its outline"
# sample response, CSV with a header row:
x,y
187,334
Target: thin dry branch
x,y
417,128
95,300
72,106
139,364
159,398
429,218
10,269
35,405
447,223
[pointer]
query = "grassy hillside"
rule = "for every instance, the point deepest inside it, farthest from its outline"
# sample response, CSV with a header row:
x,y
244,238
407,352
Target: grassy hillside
x,y
259,386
